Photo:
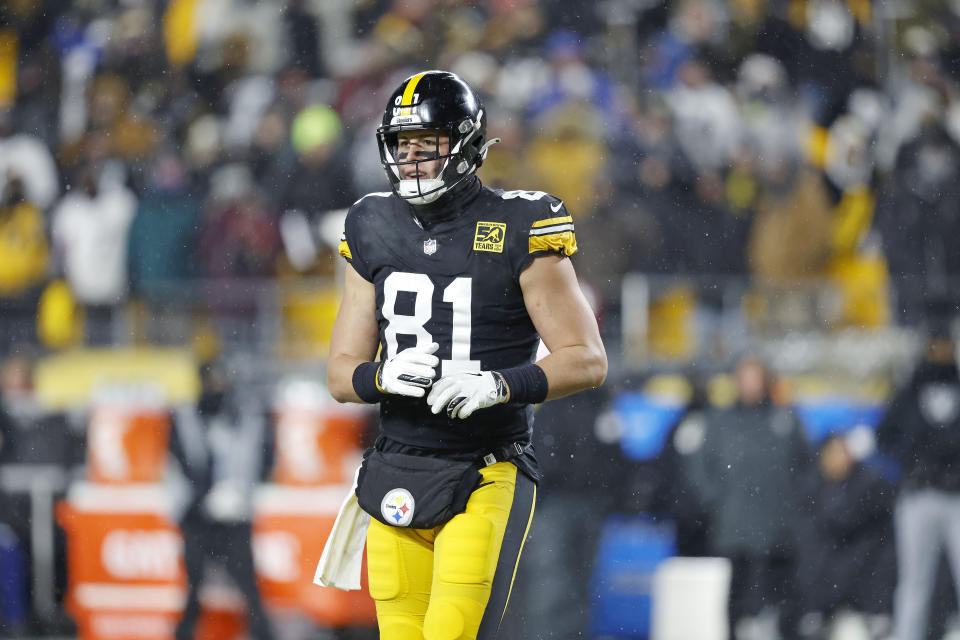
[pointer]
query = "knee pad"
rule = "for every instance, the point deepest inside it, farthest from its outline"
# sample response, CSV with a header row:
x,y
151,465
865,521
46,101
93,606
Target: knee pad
x,y
445,620
399,629
384,565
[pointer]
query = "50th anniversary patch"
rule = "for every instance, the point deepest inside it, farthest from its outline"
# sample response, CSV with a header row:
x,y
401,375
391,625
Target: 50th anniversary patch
x,y
489,236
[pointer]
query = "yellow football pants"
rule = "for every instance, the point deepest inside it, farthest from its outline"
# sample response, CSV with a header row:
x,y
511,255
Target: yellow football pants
x,y
453,582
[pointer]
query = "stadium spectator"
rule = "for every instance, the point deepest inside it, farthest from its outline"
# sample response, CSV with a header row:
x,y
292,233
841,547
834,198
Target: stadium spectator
x,y
162,253
24,262
921,430
845,554
272,156
35,434
746,472
707,120
90,227
917,215
27,158
303,34
19,411
649,175
239,238
321,178
571,79
580,471
790,238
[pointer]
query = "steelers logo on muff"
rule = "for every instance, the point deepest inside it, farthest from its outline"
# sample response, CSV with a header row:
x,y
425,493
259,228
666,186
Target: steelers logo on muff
x,y
397,507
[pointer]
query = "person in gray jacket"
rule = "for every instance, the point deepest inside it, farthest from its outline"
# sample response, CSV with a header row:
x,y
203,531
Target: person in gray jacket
x,y
746,474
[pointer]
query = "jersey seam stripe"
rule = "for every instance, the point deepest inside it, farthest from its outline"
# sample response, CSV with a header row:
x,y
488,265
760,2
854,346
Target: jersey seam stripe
x,y
378,194
526,532
550,221
551,230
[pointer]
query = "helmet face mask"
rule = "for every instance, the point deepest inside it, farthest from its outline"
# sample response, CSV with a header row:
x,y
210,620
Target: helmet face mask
x,y
440,105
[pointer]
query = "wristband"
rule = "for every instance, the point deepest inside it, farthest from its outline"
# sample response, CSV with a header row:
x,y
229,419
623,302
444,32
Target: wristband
x,y
365,382
527,383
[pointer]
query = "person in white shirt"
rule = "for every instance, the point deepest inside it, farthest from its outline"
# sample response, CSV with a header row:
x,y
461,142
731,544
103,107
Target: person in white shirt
x,y
90,227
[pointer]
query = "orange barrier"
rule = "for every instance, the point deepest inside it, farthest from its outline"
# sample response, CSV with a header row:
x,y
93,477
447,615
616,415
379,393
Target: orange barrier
x,y
290,528
317,445
125,563
125,570
127,444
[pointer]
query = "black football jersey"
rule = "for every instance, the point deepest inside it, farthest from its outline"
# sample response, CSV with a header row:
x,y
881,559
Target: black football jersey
x,y
456,284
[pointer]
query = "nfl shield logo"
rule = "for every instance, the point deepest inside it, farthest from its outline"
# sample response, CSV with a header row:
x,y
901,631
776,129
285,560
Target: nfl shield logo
x,y
430,246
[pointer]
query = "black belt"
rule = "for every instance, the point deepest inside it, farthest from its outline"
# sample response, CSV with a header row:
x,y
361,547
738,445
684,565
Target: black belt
x,y
497,454
504,453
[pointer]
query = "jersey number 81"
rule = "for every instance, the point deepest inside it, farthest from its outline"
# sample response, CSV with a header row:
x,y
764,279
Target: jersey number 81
x,y
457,293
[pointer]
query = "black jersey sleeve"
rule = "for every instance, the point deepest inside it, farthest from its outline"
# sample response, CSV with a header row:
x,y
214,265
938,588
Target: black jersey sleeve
x,y
354,235
547,228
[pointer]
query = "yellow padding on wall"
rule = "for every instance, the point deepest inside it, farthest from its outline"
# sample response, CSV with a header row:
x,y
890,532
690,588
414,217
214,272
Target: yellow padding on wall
x,y
71,379
8,66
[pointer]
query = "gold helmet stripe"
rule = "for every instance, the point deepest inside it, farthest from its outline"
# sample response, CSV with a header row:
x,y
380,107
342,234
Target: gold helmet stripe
x,y
408,92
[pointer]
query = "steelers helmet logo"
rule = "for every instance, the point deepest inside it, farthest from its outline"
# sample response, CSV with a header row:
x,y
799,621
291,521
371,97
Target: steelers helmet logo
x,y
397,507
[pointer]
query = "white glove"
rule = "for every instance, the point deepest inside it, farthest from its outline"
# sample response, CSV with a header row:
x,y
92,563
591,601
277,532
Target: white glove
x,y
464,393
409,372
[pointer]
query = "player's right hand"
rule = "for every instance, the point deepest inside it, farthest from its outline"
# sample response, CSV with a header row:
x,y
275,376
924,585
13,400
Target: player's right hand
x,y
410,372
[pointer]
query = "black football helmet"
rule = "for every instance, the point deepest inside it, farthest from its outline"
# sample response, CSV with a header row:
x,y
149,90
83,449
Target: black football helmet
x,y
441,101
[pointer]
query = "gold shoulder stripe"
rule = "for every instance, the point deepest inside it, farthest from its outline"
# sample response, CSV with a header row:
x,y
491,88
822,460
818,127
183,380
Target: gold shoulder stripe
x,y
550,221
344,250
564,243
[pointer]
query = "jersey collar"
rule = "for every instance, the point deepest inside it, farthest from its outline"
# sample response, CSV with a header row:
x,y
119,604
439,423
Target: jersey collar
x,y
448,206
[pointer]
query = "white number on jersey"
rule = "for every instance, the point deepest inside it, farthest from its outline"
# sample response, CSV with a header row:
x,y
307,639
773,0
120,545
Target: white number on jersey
x,y
457,293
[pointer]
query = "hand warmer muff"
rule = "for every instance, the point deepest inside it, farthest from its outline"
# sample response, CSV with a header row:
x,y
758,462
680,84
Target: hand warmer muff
x,y
414,491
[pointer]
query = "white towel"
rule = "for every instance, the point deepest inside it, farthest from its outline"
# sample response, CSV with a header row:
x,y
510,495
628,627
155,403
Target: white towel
x,y
342,556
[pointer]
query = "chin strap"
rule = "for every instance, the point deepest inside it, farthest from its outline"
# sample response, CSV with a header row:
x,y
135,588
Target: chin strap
x,y
486,145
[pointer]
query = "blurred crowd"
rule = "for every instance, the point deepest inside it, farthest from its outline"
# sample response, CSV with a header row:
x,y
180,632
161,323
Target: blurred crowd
x,y
148,146
145,146
843,530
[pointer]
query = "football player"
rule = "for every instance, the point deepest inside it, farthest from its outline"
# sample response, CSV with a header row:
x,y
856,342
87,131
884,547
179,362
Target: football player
x,y
449,288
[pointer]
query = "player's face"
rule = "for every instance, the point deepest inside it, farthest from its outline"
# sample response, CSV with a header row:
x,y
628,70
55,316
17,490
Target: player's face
x,y
424,147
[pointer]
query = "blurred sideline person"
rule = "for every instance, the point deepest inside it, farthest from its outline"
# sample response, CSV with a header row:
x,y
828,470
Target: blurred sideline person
x,y
845,555
221,447
552,598
921,430
453,283
747,472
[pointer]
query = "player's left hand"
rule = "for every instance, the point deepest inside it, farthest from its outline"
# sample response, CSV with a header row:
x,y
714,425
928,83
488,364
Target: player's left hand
x,y
463,393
